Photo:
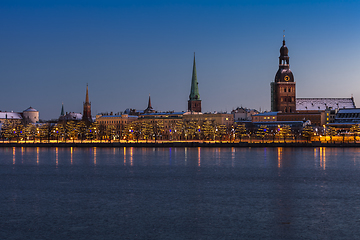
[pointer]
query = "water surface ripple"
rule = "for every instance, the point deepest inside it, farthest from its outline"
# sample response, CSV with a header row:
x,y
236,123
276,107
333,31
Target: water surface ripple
x,y
179,193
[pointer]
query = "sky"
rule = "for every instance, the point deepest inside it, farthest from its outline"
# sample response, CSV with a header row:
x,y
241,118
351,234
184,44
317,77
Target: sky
x,y
126,50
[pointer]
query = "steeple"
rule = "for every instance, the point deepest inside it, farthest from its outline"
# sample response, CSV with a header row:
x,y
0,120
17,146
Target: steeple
x,y
62,110
149,109
194,92
149,103
87,107
194,103
87,94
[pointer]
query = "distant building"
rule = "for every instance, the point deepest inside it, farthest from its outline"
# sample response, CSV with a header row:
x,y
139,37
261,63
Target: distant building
x,y
351,116
12,116
71,116
243,114
30,115
167,119
345,119
316,118
226,119
118,121
265,117
283,89
305,104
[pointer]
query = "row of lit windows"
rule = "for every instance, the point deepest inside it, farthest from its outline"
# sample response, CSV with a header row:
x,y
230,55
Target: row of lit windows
x,y
111,122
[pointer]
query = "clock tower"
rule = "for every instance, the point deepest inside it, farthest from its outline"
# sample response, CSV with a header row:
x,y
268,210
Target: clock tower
x,y
283,91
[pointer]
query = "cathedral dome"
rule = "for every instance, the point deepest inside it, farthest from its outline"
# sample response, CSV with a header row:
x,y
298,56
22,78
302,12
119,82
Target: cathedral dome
x,y
284,75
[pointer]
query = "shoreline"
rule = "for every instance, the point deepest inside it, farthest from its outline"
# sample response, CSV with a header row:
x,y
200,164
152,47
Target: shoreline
x,y
181,144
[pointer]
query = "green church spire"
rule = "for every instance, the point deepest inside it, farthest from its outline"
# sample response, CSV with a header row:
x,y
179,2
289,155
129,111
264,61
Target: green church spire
x,y
62,110
194,92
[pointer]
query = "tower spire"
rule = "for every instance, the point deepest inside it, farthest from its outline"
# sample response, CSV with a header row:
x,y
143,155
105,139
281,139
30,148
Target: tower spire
x,y
194,92
62,110
194,103
149,103
87,93
87,107
284,38
149,109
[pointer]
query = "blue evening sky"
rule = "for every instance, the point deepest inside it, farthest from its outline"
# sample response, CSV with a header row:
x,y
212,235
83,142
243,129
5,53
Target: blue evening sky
x,y
126,50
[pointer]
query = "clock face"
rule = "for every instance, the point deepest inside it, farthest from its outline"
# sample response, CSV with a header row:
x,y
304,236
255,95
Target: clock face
x,y
286,78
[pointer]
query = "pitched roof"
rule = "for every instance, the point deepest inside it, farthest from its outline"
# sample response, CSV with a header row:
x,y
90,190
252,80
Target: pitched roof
x,y
323,103
10,115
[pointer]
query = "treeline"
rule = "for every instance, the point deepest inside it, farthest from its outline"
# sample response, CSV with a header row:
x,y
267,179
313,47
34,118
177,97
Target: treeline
x,y
137,130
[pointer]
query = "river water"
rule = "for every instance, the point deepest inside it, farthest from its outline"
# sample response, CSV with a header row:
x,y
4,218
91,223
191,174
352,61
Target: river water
x,y
179,193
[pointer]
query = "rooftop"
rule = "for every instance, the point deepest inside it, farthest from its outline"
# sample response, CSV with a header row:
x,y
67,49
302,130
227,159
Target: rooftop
x,y
267,114
10,115
323,103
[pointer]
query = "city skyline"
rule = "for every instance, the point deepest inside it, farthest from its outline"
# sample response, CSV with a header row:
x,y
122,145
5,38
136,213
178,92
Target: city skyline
x,y
126,51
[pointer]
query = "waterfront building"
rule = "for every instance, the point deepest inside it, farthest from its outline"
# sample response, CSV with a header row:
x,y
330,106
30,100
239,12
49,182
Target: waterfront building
x,y
71,116
166,121
30,115
306,104
329,105
226,119
345,119
194,103
243,114
316,118
283,89
118,121
265,117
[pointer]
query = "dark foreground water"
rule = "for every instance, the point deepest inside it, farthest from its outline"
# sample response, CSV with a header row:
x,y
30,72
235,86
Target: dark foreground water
x,y
179,193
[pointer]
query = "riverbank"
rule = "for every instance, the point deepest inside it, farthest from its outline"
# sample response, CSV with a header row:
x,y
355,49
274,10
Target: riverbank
x,y
181,144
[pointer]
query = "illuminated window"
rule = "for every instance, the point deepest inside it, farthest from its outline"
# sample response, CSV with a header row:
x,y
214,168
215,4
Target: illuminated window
x,y
264,117
227,119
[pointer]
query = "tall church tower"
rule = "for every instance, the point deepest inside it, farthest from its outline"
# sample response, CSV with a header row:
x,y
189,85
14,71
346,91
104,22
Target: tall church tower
x,y
283,89
194,103
87,107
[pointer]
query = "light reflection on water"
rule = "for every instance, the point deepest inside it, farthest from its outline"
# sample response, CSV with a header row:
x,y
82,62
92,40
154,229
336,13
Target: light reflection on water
x,y
231,157
180,193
